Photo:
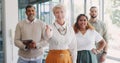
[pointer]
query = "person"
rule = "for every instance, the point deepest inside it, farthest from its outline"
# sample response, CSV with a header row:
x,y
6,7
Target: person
x,y
86,38
29,37
61,39
101,28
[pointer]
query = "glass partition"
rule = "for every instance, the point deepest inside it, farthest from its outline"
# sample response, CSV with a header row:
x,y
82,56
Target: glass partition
x,y
112,15
1,38
43,9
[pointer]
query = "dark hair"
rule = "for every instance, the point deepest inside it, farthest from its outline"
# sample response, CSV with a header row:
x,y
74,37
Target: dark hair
x,y
81,16
29,6
76,26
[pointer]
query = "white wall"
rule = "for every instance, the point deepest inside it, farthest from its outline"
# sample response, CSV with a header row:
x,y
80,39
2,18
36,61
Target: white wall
x,y
10,19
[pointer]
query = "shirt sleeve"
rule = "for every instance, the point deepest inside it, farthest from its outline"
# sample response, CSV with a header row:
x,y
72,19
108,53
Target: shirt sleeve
x,y
17,38
41,44
73,47
105,33
43,41
98,37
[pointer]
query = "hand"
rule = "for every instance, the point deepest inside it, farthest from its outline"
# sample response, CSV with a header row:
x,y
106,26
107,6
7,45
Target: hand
x,y
48,31
103,58
32,45
95,51
27,42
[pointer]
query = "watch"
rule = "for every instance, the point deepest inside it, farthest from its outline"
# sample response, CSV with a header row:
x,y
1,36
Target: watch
x,y
26,47
104,52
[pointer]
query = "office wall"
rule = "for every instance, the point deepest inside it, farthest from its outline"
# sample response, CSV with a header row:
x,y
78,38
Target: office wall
x,y
9,19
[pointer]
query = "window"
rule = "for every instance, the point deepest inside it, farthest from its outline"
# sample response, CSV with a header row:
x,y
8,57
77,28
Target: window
x,y
112,15
1,37
43,9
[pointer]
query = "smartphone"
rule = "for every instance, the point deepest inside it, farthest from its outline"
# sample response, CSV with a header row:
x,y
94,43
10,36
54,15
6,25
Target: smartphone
x,y
27,42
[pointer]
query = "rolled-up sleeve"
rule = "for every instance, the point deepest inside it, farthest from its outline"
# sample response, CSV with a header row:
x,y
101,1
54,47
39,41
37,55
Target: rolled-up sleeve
x,y
105,33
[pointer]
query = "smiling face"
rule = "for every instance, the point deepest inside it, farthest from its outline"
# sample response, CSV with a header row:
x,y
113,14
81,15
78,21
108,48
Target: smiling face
x,y
59,13
30,12
82,22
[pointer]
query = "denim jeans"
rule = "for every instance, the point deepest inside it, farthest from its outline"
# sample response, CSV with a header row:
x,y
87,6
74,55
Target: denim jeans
x,y
20,60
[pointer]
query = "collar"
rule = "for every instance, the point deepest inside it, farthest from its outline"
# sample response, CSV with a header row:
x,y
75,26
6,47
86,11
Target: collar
x,y
93,21
32,21
59,26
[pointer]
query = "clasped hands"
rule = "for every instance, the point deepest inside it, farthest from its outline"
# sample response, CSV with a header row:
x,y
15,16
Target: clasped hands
x,y
30,44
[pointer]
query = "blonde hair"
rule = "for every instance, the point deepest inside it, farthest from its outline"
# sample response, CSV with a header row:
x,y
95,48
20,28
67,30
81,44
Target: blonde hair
x,y
58,6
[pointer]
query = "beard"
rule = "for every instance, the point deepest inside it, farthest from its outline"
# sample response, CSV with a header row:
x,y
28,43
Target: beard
x,y
93,16
31,17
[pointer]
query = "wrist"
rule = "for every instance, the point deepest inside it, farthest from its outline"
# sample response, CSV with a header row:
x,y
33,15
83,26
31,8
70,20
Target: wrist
x,y
26,47
98,51
104,52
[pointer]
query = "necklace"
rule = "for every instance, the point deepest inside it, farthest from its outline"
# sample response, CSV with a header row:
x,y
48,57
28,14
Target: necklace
x,y
61,31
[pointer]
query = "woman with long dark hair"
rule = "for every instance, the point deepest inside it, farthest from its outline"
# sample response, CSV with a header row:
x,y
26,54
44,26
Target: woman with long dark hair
x,y
86,38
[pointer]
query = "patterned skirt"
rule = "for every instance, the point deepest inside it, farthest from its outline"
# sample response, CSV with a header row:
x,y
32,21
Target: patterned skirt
x,y
58,56
86,56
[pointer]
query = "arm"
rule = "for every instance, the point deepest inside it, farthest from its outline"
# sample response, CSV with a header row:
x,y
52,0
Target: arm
x,y
42,43
44,37
17,38
48,32
102,44
100,47
105,36
100,41
105,49
103,56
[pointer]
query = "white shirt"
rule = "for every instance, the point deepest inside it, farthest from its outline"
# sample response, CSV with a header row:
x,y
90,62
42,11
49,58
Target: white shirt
x,y
63,42
32,21
88,40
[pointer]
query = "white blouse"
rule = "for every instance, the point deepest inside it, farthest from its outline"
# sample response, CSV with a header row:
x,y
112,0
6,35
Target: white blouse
x,y
65,41
88,40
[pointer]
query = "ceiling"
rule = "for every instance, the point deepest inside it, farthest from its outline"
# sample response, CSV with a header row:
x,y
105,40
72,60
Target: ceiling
x,y
24,3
